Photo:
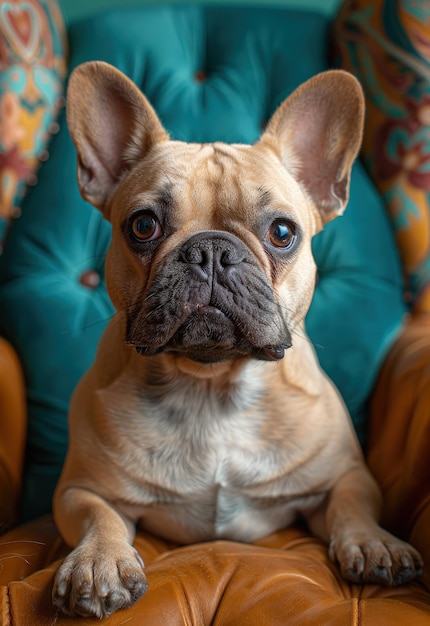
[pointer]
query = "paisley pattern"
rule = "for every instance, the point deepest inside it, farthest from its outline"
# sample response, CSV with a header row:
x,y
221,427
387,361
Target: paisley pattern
x,y
32,70
386,44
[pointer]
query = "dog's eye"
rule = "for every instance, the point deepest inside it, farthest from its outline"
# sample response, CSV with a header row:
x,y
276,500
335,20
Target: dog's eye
x,y
146,227
281,234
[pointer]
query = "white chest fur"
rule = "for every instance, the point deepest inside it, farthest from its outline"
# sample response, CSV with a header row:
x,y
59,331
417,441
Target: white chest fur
x,y
205,462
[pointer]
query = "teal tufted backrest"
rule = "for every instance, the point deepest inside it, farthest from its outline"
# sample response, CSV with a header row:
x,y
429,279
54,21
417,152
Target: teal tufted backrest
x,y
212,73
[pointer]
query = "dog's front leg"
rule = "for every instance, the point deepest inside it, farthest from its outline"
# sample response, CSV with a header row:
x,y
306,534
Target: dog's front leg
x,y
365,551
104,572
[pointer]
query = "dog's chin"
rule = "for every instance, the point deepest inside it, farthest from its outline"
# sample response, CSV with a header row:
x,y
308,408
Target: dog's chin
x,y
209,337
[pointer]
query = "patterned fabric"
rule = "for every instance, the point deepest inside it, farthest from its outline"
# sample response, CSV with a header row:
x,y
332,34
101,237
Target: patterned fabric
x,y
386,44
32,69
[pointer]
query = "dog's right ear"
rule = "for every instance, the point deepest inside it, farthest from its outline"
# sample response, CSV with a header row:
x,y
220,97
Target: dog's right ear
x,y
112,125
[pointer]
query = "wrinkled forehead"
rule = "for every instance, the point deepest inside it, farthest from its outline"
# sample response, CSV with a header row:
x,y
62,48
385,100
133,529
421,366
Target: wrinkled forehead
x,y
221,180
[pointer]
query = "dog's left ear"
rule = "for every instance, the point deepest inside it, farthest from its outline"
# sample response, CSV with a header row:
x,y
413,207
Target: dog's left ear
x,y
112,125
317,134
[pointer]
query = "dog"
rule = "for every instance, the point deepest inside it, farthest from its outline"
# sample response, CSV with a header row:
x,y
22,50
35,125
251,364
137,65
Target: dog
x,y
205,414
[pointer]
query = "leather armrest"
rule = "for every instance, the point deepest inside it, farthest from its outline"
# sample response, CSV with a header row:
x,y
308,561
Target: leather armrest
x,y
13,419
399,436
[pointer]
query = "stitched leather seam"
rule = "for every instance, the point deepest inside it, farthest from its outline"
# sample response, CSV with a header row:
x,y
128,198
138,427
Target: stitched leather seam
x,y
355,613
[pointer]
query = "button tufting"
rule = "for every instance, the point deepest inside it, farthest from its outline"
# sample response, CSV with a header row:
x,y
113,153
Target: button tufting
x,y
90,279
200,76
54,128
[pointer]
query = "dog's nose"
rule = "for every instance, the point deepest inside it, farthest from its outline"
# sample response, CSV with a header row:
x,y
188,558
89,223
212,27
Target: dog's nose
x,y
212,252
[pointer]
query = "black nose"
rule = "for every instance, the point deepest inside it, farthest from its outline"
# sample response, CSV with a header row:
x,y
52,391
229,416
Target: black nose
x,y
211,252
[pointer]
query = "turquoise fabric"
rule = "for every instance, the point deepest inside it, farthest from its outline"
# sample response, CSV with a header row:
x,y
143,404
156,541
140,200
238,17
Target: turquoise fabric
x,y
252,58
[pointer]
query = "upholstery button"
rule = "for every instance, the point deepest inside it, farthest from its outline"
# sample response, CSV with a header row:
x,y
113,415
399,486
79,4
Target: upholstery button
x,y
54,128
90,279
200,76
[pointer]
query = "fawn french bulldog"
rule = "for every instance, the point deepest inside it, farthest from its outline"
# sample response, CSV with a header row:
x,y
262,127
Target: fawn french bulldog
x,y
205,414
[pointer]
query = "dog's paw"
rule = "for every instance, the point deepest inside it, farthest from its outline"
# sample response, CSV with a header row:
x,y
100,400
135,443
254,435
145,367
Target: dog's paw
x,y
380,558
95,581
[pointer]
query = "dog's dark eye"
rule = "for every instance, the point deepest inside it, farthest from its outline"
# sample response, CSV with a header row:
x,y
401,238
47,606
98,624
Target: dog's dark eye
x,y
282,234
146,227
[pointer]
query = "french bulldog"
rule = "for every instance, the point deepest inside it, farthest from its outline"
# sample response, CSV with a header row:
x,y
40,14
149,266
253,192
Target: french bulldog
x,y
206,414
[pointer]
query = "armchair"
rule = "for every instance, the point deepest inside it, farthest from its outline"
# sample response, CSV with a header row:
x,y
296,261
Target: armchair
x,y
211,72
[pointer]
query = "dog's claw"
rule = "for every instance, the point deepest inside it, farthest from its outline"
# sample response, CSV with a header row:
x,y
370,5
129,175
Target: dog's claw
x,y
352,576
380,575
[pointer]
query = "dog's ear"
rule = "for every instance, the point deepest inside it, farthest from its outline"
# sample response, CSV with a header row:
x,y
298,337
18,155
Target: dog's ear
x,y
112,126
317,134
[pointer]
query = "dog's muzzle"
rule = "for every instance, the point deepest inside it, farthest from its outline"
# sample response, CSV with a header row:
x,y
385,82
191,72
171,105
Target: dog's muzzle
x,y
209,301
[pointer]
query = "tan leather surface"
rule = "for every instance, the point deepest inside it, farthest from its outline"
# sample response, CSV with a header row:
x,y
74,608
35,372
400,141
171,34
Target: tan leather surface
x,y
286,579
399,437
12,431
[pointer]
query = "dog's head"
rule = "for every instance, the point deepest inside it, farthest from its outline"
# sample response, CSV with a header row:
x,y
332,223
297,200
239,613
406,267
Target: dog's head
x,y
211,243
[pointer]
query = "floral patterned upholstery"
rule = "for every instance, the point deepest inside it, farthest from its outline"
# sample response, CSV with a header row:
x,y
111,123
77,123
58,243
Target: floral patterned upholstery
x,y
386,43
32,69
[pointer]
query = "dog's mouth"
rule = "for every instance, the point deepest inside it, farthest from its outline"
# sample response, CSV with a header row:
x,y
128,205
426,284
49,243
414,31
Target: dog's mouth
x,y
208,336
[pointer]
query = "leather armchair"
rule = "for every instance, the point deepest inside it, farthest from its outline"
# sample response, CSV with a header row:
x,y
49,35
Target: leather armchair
x,y
13,423
381,362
